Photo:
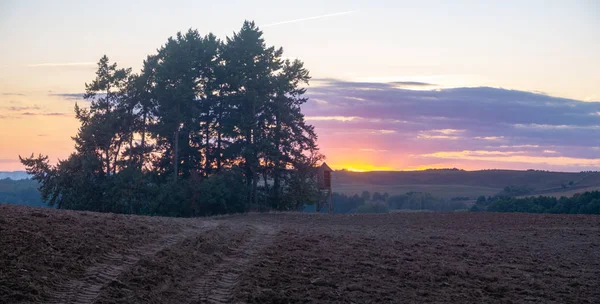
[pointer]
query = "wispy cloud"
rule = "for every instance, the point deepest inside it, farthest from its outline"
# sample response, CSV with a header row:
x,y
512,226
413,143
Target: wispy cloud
x,y
556,127
519,146
8,161
372,150
13,94
412,83
45,114
338,118
513,157
25,108
440,134
491,138
74,96
62,64
447,131
429,136
308,18
69,96
320,101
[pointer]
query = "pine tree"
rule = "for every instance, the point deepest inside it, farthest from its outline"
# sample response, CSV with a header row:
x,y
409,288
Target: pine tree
x,y
104,118
182,76
252,65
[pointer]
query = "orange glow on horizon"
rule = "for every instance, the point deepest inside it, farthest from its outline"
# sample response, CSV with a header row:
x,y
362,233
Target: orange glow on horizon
x,y
369,168
361,167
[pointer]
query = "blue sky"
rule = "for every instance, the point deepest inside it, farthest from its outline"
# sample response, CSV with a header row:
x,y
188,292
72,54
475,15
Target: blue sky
x,y
49,48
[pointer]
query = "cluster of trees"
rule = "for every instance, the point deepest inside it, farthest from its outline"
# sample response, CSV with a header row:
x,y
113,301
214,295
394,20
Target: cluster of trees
x,y
515,190
383,203
424,201
586,203
206,127
20,192
363,203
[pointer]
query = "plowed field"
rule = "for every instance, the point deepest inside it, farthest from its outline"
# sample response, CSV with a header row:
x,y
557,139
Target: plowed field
x,y
56,256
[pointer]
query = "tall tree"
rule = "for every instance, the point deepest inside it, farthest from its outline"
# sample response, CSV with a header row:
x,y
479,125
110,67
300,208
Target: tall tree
x,y
289,135
252,65
105,119
182,74
140,104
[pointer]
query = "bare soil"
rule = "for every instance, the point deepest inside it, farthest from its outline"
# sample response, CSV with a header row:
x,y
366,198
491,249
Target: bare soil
x,y
56,256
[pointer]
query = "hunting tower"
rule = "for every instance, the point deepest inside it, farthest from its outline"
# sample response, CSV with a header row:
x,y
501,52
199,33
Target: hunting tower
x,y
324,181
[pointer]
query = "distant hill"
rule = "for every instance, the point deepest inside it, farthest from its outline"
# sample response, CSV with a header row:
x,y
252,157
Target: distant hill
x,y
455,183
14,175
20,192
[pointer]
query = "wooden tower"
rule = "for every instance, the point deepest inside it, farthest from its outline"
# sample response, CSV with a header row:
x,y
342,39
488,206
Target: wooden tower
x,y
324,181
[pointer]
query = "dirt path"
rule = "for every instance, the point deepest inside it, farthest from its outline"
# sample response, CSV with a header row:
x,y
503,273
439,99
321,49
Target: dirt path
x,y
87,289
218,284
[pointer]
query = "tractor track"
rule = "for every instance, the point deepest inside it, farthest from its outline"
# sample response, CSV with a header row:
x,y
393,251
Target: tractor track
x,y
87,289
217,285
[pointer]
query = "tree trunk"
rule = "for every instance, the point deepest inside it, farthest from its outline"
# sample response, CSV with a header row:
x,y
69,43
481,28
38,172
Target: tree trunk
x,y
107,147
254,188
143,144
175,156
176,150
219,130
207,157
117,156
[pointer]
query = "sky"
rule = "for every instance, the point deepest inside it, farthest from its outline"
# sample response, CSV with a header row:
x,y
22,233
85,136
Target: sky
x,y
397,85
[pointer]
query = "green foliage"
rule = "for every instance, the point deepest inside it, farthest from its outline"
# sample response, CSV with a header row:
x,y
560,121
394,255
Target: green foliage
x,y
221,193
378,197
346,204
192,134
424,201
384,203
366,195
586,203
376,207
515,191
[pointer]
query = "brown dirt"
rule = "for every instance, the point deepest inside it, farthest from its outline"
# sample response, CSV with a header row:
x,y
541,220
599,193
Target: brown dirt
x,y
46,252
82,257
429,258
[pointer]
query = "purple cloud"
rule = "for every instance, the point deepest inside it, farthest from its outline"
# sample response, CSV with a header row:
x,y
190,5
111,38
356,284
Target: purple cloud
x,y
488,118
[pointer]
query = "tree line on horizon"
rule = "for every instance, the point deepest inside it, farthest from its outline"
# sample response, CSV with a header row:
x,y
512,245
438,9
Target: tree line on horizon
x,y
207,126
580,203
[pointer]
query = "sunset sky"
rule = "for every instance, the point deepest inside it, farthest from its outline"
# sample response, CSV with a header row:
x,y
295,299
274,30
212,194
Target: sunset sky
x,y
397,85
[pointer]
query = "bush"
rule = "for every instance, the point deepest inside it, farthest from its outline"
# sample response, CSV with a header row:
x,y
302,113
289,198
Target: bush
x,y
373,208
221,193
345,203
515,191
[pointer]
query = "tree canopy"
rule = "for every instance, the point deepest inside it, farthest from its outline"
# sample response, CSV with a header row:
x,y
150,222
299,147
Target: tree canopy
x,y
206,127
